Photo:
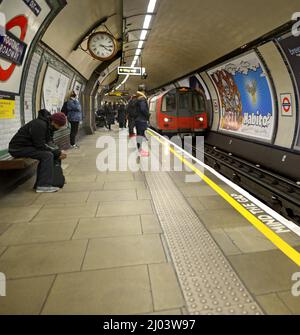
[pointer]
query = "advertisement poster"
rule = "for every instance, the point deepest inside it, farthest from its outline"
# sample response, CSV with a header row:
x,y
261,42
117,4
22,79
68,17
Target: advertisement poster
x,y
290,45
246,99
54,90
23,18
7,107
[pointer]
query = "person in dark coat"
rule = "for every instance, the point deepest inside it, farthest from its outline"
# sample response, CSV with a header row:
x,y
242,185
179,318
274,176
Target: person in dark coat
x,y
73,110
110,116
121,116
141,120
131,114
35,140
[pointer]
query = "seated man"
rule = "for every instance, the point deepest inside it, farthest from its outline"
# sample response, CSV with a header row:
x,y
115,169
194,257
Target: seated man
x,y
33,140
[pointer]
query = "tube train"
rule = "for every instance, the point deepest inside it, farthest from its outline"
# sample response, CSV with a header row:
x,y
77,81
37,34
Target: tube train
x,y
178,111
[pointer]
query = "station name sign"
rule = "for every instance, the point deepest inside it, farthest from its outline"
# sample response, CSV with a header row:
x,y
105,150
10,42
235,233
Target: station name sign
x,y
12,49
131,71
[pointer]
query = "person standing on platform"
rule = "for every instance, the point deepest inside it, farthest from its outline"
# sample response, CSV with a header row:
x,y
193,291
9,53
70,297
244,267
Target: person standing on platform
x,y
141,120
131,115
121,115
73,110
35,140
110,116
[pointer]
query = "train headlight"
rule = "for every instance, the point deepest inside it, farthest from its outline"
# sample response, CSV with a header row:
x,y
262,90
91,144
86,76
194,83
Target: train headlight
x,y
201,119
166,119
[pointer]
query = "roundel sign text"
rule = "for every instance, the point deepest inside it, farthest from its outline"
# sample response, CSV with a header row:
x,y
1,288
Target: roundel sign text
x,y
21,22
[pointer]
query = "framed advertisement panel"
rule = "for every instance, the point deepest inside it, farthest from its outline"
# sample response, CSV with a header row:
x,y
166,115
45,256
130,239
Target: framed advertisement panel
x,y
55,88
290,47
247,107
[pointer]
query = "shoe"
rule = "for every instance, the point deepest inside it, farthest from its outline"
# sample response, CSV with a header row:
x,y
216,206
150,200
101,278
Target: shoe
x,y
46,189
75,146
144,153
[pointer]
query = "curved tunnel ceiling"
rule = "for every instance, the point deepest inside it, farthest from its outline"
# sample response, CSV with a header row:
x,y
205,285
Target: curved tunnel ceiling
x,y
189,34
184,36
76,18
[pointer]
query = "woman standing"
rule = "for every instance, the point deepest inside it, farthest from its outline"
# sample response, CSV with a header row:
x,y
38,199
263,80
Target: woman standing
x,y
74,115
141,120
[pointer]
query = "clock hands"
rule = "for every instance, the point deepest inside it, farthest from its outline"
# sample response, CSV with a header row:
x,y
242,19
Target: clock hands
x,y
105,47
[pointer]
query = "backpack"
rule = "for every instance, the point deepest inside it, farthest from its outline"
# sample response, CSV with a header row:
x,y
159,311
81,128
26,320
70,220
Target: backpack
x,y
64,108
58,176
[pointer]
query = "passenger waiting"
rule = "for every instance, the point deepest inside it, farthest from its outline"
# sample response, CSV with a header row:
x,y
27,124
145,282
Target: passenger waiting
x,y
121,115
141,120
35,140
110,116
73,110
131,115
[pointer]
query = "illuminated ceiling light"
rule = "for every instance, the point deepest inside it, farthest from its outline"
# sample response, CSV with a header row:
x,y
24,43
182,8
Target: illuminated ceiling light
x,y
147,21
151,6
138,52
140,45
143,34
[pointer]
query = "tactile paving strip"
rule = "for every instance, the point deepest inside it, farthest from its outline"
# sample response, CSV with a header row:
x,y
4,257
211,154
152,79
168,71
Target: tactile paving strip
x,y
208,281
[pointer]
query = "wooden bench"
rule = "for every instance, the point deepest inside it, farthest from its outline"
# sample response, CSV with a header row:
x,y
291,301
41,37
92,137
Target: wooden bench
x,y
16,163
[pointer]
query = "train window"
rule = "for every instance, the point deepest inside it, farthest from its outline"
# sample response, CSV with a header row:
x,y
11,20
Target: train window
x,y
169,103
184,104
198,103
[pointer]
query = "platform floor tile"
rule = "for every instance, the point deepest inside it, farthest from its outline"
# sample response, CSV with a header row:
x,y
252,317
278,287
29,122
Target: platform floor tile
x,y
24,233
42,259
274,268
2,250
85,178
136,207
106,196
62,197
19,199
124,185
25,296
82,187
123,251
165,287
214,202
109,292
222,218
23,214
249,239
273,305
64,211
167,312
225,243
143,194
150,224
107,227
292,302
4,226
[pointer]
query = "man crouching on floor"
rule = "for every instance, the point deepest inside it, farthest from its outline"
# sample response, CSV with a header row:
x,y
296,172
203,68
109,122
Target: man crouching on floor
x,y
35,140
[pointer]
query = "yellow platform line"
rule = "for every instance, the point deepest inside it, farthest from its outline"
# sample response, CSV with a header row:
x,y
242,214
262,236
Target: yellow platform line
x,y
289,251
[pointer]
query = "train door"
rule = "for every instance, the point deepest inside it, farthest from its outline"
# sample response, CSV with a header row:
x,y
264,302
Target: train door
x,y
199,112
184,111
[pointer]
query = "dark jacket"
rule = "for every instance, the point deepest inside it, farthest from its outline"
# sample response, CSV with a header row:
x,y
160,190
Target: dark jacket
x,y
142,110
73,110
109,114
121,114
131,109
37,133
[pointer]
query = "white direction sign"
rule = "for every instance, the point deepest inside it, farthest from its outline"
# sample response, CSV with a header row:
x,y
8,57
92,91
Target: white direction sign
x,y
131,71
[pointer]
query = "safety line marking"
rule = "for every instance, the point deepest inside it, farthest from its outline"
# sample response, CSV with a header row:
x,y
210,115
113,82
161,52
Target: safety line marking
x,y
289,251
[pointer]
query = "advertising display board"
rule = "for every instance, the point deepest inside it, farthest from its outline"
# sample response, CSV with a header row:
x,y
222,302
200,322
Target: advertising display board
x,y
246,98
55,88
290,46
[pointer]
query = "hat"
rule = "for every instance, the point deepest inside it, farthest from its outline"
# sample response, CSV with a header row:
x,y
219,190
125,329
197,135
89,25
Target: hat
x,y
59,119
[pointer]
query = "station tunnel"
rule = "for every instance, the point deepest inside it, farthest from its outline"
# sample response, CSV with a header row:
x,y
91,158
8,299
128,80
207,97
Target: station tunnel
x,y
149,157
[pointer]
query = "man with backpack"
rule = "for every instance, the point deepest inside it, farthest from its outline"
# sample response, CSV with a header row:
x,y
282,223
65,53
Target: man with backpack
x,y
35,140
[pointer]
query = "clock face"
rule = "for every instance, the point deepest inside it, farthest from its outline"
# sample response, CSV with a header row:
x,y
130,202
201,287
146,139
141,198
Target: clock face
x,y
102,46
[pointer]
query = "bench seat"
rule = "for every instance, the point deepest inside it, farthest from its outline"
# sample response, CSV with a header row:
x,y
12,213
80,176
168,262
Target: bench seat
x,y
16,163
